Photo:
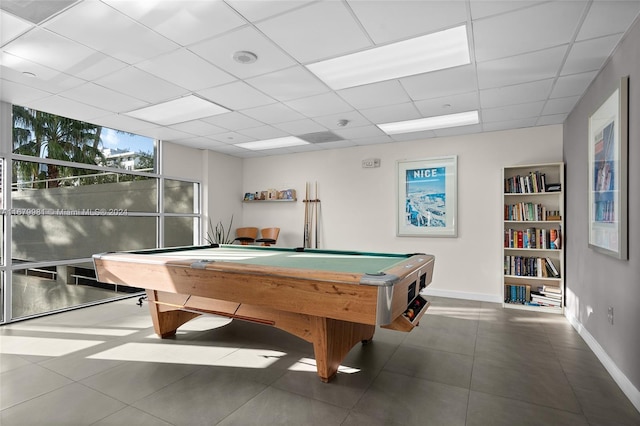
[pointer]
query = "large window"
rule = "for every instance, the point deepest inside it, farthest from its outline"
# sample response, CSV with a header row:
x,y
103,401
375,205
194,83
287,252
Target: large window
x,y
77,189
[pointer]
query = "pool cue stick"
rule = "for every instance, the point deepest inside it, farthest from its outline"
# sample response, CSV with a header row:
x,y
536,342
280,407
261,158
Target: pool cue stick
x,y
306,215
317,201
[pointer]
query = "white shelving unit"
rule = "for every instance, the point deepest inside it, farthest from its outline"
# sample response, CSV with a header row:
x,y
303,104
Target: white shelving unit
x,y
533,212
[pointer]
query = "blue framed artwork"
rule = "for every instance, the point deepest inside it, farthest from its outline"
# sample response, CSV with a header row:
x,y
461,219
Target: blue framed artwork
x,y
427,205
608,146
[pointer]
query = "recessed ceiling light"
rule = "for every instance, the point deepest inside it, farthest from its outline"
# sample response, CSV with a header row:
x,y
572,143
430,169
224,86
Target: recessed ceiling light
x,y
272,143
245,57
444,49
431,123
178,111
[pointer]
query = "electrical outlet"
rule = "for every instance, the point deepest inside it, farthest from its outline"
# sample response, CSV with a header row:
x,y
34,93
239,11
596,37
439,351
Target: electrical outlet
x,y
610,315
370,163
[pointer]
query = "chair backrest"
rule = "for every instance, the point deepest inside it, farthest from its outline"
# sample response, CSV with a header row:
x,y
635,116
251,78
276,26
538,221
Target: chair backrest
x,y
246,235
269,236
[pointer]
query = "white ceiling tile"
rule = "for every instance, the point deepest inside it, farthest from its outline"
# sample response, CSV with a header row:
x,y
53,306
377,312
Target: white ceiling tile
x,y
359,132
374,95
35,11
255,10
164,133
95,66
233,121
186,69
49,80
20,94
375,140
560,105
100,97
515,94
608,17
391,113
521,69
264,132
535,28
219,51
110,32
204,19
273,114
484,8
589,55
354,118
448,105
546,120
320,105
237,95
318,31
122,122
199,127
336,144
11,27
459,130
300,127
67,108
141,85
512,112
48,49
414,136
441,83
387,21
291,83
511,124
572,85
232,137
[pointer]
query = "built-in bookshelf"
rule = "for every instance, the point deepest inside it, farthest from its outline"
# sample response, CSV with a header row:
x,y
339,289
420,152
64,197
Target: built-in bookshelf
x,y
533,243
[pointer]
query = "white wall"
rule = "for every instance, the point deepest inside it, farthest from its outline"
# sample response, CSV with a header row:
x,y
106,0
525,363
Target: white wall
x,y
358,206
595,281
221,178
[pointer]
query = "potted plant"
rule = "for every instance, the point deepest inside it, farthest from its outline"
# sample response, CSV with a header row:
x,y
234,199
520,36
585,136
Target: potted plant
x,y
218,234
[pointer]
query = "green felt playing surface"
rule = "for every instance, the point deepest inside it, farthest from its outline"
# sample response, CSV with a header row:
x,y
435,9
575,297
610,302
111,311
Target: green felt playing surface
x,y
326,260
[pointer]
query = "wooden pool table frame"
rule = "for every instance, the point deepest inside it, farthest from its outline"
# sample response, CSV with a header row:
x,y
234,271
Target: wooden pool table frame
x,y
332,310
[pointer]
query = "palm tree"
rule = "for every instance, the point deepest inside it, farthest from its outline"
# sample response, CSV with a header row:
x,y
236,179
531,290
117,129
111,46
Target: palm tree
x,y
40,134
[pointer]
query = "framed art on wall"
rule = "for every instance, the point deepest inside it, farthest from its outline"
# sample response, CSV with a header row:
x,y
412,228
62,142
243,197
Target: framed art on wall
x,y
608,146
427,205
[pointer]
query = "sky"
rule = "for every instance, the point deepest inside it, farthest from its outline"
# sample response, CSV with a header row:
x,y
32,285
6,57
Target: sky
x,y
122,140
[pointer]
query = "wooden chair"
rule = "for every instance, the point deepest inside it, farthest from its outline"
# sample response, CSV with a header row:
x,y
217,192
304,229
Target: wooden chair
x,y
269,236
246,235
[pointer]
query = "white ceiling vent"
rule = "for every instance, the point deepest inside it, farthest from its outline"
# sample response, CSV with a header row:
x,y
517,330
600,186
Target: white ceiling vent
x,y
320,137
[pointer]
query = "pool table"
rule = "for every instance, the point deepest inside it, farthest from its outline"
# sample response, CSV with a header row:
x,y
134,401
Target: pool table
x,y
333,299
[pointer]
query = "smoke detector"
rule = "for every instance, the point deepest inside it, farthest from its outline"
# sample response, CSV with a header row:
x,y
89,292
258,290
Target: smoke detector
x,y
245,57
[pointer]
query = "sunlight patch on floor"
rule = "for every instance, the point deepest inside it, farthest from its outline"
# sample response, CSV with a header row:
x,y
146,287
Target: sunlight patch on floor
x,y
66,329
309,365
41,346
184,354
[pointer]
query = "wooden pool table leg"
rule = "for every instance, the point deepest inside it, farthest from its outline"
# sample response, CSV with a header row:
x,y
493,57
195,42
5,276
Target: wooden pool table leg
x,y
166,322
332,341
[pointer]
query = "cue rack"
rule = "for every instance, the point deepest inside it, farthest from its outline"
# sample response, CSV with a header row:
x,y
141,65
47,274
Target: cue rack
x,y
311,212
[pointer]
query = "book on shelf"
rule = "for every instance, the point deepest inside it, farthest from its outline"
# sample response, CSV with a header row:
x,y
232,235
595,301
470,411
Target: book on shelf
x,y
552,268
517,293
533,182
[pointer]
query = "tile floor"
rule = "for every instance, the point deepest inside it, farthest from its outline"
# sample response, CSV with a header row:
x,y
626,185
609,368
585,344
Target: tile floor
x,y
468,363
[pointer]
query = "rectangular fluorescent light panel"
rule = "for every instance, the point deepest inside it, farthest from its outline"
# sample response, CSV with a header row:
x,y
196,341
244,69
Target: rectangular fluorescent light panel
x,y
178,111
432,52
431,123
272,143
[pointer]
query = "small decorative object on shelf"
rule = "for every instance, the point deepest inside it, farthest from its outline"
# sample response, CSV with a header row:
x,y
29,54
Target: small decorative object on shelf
x,y
533,275
270,195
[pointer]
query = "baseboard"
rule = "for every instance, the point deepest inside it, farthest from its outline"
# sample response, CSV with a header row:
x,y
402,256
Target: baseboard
x,y
618,376
482,297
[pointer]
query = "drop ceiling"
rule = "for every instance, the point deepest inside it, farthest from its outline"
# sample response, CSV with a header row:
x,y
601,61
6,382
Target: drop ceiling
x,y
96,61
